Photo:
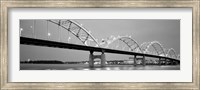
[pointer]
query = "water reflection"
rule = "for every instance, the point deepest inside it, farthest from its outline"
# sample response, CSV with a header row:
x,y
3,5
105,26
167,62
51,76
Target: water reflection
x,y
85,67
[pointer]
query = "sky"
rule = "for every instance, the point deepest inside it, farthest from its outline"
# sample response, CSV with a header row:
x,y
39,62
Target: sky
x,y
167,32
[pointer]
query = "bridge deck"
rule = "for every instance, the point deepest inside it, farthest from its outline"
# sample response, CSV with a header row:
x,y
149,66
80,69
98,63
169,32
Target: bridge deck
x,y
54,44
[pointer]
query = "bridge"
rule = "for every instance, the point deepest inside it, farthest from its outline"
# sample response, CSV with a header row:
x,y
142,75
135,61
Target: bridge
x,y
152,49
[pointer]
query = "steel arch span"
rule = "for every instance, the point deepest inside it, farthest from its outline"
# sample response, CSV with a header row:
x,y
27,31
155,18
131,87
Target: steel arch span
x,y
77,30
146,46
171,52
131,43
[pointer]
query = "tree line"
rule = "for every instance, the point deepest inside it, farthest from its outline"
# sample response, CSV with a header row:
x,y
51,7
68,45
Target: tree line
x,y
43,62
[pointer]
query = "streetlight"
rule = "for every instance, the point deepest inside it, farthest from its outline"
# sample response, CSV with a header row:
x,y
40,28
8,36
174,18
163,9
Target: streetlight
x,y
49,34
33,32
21,29
29,60
68,39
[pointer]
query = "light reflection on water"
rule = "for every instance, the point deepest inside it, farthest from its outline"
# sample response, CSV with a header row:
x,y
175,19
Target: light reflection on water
x,y
97,67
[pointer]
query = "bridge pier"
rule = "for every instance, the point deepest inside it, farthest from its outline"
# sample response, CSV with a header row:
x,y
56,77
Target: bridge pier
x,y
91,60
144,61
159,61
92,57
103,60
172,62
134,60
166,61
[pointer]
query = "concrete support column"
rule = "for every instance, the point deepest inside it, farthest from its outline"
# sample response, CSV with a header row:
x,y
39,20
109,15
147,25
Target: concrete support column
x,y
172,62
144,61
103,60
159,61
175,62
134,60
165,61
91,59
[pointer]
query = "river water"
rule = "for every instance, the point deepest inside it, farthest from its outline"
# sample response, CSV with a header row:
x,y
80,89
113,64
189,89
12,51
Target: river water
x,y
97,67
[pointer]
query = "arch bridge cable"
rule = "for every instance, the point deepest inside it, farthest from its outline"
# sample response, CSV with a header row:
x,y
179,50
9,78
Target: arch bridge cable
x,y
131,43
146,46
169,53
77,30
